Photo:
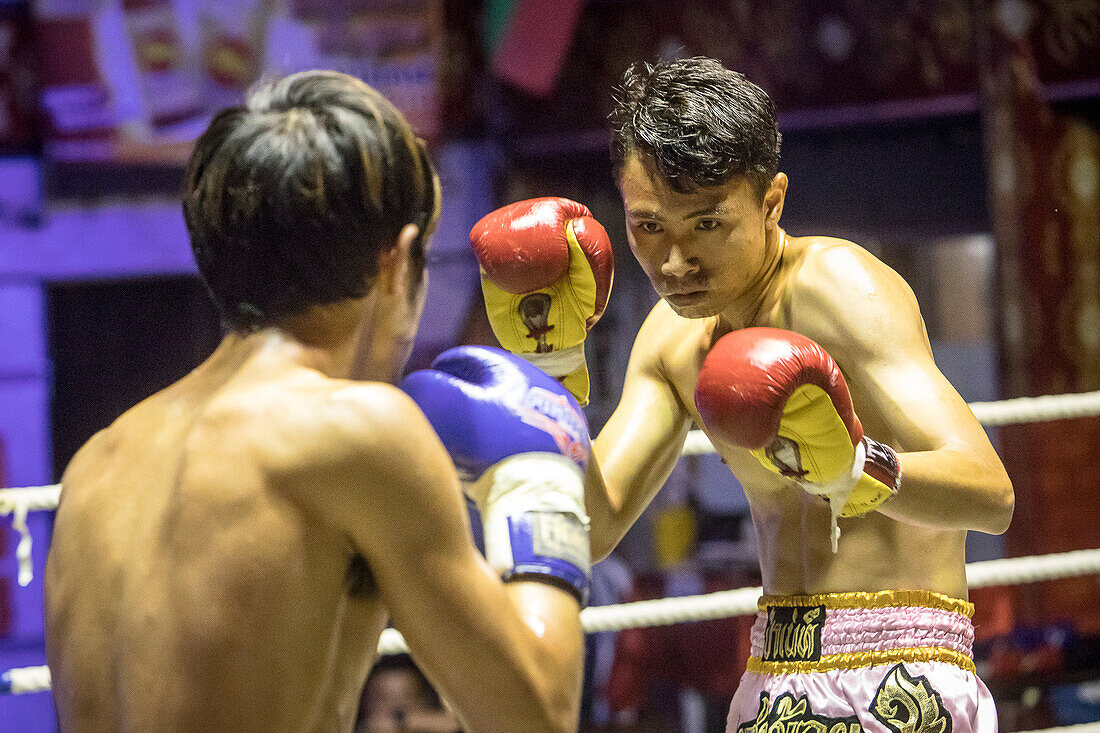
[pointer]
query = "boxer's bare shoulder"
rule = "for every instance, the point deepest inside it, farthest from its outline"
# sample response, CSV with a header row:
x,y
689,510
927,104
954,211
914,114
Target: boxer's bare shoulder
x,y
279,427
845,298
373,441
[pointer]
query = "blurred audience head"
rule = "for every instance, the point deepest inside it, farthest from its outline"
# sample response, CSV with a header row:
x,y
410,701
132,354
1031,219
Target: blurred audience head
x,y
398,697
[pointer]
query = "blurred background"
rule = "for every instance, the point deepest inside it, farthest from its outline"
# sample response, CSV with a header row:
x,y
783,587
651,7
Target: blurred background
x,y
959,140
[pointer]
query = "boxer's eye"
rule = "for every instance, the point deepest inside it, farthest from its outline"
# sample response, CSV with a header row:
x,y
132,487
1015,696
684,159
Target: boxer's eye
x,y
708,225
649,227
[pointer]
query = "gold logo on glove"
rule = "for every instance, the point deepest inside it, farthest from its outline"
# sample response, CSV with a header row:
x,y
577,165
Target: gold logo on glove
x,y
785,456
534,310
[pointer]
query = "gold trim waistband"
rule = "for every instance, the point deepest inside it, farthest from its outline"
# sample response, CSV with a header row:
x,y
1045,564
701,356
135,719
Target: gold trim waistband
x,y
856,660
874,599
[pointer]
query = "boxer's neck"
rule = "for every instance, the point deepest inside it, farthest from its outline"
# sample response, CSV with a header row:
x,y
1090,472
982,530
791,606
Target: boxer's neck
x,y
746,309
355,338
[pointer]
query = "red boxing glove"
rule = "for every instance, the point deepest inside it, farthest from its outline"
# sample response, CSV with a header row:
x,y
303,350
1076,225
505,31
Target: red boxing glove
x,y
546,272
781,396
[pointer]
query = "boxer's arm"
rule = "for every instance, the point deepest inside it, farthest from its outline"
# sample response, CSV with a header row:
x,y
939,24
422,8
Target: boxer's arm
x,y
638,447
506,656
867,318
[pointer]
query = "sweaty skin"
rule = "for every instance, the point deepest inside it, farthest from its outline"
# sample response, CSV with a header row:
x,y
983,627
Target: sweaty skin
x,y
226,554
721,262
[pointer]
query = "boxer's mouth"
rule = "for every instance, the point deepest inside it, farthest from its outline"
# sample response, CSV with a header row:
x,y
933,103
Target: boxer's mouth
x,y
685,298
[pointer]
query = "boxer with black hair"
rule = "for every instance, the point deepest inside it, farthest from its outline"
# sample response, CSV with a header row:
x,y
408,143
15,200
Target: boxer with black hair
x,y
806,361
227,553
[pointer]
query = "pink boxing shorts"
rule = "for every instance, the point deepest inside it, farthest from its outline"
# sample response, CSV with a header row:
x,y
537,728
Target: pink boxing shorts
x,y
885,662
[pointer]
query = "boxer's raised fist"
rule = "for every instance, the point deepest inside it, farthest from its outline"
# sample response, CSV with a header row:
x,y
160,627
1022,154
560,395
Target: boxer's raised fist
x,y
546,272
780,395
520,443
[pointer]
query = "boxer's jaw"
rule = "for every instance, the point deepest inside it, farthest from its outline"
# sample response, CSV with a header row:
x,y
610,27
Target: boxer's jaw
x,y
390,317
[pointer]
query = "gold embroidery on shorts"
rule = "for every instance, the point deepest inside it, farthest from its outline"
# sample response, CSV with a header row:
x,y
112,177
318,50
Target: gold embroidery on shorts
x,y
876,599
856,660
785,714
909,705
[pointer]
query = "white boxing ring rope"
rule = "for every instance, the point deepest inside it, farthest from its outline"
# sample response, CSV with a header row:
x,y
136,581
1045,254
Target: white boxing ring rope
x,y
991,414
723,604
742,601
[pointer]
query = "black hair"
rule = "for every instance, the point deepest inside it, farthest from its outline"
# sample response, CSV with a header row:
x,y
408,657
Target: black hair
x,y
290,198
400,663
700,124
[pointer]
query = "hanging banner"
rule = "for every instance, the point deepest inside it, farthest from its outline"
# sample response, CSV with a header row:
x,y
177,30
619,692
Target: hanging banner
x,y
166,76
135,81
232,43
393,45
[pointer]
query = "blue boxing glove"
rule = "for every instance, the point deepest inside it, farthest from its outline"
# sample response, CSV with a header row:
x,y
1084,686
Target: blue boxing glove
x,y
520,443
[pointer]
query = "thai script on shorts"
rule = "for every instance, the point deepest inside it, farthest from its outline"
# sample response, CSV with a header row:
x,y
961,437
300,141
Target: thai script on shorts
x,y
787,715
793,633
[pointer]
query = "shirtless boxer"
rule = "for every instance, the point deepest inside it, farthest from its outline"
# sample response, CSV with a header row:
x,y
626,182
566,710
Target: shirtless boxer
x,y
869,629
227,552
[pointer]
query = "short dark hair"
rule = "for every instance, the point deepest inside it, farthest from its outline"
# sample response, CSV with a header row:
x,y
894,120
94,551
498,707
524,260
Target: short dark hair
x,y
290,198
699,122
400,663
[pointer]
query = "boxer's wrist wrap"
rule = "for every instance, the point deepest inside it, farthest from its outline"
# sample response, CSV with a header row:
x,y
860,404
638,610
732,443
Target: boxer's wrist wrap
x,y
559,363
883,466
552,548
875,477
536,526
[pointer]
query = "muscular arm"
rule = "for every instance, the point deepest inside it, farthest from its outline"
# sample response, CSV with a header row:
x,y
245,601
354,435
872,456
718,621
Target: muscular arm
x,y
507,656
867,318
639,446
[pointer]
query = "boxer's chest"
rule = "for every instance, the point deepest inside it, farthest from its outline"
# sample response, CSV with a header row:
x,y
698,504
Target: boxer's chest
x,y
767,493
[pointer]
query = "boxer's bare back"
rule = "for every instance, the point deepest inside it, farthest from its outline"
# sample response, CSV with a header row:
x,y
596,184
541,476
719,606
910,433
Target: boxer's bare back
x,y
226,554
227,581
232,547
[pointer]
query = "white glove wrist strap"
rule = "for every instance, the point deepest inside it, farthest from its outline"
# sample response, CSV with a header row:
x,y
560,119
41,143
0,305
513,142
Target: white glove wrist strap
x,y
839,491
528,483
558,363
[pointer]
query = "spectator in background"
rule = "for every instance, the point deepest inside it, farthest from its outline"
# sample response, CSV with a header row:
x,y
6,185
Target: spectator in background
x,y
398,697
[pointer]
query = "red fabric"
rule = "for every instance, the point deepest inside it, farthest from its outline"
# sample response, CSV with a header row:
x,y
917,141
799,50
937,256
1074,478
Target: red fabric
x,y
535,43
993,612
18,95
707,656
67,51
66,57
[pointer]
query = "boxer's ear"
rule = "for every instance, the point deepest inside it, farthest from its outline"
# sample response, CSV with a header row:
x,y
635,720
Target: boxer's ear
x,y
393,263
774,198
